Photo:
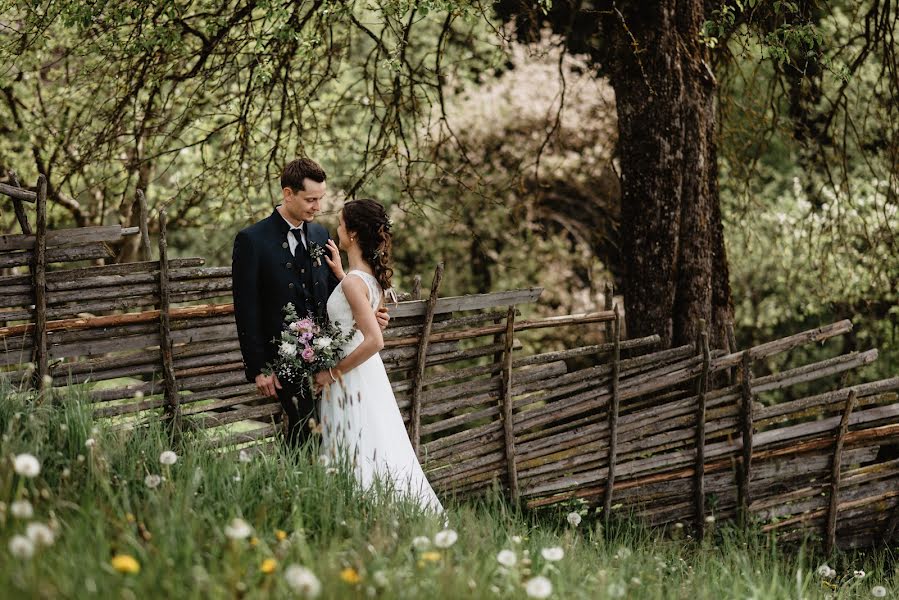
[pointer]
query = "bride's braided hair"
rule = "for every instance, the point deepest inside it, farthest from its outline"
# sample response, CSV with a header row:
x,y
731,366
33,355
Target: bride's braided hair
x,y
369,221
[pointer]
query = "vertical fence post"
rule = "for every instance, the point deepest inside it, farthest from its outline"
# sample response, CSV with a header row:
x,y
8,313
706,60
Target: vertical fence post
x,y
416,288
613,417
830,534
421,360
40,351
731,348
702,346
508,425
172,400
18,207
144,226
746,427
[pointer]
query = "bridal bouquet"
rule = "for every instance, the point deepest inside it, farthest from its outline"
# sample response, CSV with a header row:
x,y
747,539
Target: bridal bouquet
x,y
307,346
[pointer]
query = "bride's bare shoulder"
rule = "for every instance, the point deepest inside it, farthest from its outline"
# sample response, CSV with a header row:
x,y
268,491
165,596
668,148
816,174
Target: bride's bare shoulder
x,y
354,287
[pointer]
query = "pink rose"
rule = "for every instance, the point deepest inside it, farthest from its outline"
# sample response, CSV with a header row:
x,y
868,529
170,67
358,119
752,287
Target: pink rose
x,y
308,354
305,324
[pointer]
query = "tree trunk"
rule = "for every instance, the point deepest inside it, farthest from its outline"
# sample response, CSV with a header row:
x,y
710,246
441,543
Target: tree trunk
x,y
673,243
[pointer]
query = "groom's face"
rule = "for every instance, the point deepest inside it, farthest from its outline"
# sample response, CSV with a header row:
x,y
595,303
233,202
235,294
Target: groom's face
x,y
303,205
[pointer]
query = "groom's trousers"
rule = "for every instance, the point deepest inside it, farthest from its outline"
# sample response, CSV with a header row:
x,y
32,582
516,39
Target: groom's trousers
x,y
299,405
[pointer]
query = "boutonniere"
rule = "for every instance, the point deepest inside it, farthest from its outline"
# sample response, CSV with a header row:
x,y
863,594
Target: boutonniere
x,y
316,253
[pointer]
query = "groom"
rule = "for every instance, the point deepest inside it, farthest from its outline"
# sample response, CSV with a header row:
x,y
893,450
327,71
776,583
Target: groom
x,y
271,265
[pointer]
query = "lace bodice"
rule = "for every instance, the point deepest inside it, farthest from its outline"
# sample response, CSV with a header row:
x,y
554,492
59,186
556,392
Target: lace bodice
x,y
340,313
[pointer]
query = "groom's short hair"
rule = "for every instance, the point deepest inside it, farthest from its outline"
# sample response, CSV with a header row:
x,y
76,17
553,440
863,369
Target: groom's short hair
x,y
297,170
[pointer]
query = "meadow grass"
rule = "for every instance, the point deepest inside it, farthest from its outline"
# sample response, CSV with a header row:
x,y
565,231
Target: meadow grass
x,y
175,536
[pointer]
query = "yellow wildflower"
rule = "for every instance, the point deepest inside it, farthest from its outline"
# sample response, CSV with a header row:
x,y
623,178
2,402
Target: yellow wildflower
x,y
350,575
430,556
268,566
124,563
280,535
129,517
254,541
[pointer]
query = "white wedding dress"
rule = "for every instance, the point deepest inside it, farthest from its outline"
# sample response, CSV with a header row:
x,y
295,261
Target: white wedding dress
x,y
360,419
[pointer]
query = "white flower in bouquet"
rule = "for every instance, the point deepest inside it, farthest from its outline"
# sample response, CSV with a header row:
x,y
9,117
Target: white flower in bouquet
x,y
323,342
287,349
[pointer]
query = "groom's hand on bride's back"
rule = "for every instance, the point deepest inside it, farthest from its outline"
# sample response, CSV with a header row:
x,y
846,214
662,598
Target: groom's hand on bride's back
x,y
383,317
267,385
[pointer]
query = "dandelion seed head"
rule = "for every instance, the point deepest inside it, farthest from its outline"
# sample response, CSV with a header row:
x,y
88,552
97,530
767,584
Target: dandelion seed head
x,y
516,539
878,591
538,587
27,465
616,590
552,554
421,542
152,481
21,509
238,529
21,547
506,558
40,534
445,538
90,443
858,574
168,458
574,519
380,579
244,456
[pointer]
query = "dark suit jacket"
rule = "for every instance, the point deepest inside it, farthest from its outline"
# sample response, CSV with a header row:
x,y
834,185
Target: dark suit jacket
x,y
266,276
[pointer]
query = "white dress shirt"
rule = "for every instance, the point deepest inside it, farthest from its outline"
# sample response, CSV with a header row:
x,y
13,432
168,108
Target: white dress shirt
x,y
292,236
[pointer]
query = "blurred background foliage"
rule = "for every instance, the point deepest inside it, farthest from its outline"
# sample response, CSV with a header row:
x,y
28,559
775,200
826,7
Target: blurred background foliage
x,y
494,156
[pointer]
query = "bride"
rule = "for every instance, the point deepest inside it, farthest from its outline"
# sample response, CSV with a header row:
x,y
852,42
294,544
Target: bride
x,y
358,410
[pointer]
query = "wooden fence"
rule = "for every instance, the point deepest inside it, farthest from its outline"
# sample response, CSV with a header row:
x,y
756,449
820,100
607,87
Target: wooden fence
x,y
673,435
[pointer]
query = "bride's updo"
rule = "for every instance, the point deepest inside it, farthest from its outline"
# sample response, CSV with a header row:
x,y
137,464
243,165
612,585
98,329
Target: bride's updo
x,y
368,220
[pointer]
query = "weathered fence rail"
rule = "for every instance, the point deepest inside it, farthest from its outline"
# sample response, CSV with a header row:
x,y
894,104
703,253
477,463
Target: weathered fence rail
x,y
673,435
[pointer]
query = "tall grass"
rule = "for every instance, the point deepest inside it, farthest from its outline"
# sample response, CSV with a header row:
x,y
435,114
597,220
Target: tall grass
x,y
359,545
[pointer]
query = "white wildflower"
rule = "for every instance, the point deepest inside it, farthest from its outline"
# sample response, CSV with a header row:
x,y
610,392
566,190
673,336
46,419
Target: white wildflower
x,y
90,443
710,519
623,553
47,381
40,534
552,554
858,574
380,578
303,581
152,481
21,547
824,571
21,509
27,465
238,529
324,460
516,539
878,591
168,458
574,519
506,558
244,456
287,349
538,587
445,538
636,581
421,542
616,590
